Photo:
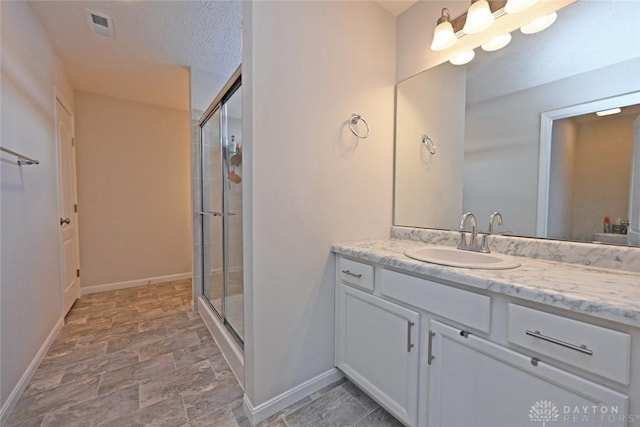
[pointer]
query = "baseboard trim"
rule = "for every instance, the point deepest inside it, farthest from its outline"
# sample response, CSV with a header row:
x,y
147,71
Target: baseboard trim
x,y
133,283
255,414
231,351
28,374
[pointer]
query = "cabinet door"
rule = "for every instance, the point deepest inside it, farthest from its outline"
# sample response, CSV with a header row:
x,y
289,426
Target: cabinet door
x,y
473,382
377,348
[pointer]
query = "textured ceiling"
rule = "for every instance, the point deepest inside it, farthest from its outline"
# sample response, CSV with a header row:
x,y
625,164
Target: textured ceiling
x,y
155,44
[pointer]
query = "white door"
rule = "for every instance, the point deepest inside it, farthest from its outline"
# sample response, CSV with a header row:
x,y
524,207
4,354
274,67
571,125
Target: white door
x,y
68,207
378,350
476,383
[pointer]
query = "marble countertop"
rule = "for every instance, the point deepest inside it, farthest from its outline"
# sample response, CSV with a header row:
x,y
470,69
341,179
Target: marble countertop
x,y
603,293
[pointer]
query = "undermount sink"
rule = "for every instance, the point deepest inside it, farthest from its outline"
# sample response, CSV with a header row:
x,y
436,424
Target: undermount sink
x,y
465,259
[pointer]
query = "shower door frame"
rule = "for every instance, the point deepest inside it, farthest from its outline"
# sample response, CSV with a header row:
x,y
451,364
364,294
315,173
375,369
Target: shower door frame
x,y
218,104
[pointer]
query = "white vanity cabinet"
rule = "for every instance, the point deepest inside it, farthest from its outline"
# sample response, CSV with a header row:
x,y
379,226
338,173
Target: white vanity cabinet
x,y
437,353
377,348
474,382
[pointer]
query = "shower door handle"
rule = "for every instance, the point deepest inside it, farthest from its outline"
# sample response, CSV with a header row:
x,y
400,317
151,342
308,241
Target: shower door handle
x,y
216,213
211,213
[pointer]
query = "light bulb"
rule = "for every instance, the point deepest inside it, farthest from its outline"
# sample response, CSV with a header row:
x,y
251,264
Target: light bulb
x,y
479,17
497,43
515,6
608,112
539,24
443,35
463,57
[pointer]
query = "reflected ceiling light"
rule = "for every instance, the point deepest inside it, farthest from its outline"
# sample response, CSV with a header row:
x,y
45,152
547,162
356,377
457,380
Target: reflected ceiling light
x,y
515,6
479,17
443,35
497,43
539,24
608,112
463,57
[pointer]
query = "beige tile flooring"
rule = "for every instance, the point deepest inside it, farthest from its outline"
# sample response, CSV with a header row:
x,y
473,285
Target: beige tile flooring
x,y
141,357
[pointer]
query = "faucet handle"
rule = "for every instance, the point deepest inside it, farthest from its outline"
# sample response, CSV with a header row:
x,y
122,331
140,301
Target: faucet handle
x,y
484,243
462,244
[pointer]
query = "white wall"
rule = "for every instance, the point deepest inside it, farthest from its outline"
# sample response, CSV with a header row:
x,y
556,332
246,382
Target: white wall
x,y
308,181
133,190
30,293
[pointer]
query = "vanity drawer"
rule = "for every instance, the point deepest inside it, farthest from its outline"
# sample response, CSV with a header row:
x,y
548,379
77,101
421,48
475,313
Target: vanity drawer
x,y
593,348
467,308
356,273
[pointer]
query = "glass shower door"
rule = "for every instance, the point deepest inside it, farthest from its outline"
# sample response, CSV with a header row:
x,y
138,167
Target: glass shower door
x,y
232,137
221,149
212,208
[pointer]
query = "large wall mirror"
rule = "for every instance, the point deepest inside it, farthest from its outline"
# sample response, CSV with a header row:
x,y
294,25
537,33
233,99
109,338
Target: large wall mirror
x,y
515,131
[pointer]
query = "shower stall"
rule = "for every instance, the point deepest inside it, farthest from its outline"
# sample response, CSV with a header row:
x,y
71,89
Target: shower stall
x,y
221,214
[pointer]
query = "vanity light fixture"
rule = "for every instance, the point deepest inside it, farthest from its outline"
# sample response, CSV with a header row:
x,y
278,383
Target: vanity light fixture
x,y
481,14
497,43
608,112
515,6
463,57
479,17
539,24
443,35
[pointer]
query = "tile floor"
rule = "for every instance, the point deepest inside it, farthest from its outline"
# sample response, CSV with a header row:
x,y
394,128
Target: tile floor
x,y
141,357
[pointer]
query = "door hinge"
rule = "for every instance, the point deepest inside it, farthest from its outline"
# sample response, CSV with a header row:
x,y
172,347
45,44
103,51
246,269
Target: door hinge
x,y
75,208
73,142
78,273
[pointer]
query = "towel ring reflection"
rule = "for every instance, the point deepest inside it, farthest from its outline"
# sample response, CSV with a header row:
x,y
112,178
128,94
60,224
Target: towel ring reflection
x,y
355,118
429,144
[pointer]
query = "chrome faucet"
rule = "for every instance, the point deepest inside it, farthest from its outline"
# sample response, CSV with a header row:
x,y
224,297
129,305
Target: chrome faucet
x,y
492,219
479,241
471,246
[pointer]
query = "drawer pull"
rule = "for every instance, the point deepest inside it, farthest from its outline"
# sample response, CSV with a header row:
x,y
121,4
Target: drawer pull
x,y
348,273
409,343
579,348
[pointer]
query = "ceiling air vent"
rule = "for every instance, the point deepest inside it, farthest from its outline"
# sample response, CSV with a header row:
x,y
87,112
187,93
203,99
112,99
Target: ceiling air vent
x,y
100,23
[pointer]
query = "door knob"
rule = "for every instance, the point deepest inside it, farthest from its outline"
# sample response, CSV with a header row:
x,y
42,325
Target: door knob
x,y
65,221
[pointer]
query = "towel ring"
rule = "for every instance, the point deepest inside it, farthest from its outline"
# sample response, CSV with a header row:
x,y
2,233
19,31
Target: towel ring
x,y
355,118
429,144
